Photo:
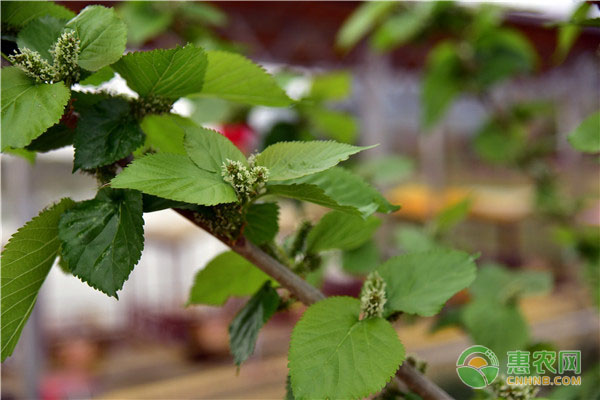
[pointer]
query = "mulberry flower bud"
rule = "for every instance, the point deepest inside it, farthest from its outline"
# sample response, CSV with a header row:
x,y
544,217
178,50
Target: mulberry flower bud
x,y
260,174
372,298
32,63
65,53
244,180
502,390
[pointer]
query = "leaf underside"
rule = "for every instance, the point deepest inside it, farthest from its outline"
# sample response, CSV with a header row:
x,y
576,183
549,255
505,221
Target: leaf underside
x,y
26,261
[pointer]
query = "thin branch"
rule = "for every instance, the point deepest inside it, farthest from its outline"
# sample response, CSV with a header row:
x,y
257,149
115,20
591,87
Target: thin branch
x,y
308,295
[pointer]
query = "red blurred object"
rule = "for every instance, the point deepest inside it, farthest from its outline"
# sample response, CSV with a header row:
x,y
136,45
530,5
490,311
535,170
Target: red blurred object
x,y
240,134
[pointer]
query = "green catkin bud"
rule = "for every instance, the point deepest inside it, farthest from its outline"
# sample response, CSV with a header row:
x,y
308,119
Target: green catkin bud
x,y
502,390
372,298
32,63
65,53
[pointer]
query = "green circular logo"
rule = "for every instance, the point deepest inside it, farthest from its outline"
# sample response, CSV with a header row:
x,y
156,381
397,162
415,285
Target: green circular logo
x,y
477,366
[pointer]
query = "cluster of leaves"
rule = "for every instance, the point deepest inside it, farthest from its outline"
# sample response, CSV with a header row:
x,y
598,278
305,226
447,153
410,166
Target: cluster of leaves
x,y
315,118
492,301
479,53
193,22
147,159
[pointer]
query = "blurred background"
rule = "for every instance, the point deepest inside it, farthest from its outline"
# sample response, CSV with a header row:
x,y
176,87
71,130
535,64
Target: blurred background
x,y
471,104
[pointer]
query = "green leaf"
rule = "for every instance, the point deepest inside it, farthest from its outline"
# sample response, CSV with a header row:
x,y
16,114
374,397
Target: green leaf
x,y
452,215
362,20
106,133
487,324
104,74
40,35
586,137
103,36
26,260
501,143
25,154
155,203
386,170
347,190
500,54
175,177
57,136
289,160
164,132
401,28
102,239
209,149
412,239
568,32
19,13
144,20
335,355
28,108
361,260
339,230
312,194
227,275
336,125
331,86
233,77
420,283
442,82
289,395
262,222
497,283
169,73
244,328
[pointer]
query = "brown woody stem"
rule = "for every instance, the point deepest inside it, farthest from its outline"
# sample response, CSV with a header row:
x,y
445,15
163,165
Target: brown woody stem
x,y
308,295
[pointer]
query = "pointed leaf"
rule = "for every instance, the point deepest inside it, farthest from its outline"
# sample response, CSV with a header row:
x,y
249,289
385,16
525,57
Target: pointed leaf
x,y
233,77
339,230
164,132
497,283
335,355
586,137
57,136
289,160
175,177
28,108
362,260
442,82
244,328
19,13
105,133
420,283
171,73
362,20
227,275
262,222
347,189
26,260
310,193
102,239
104,74
41,34
487,322
103,36
209,149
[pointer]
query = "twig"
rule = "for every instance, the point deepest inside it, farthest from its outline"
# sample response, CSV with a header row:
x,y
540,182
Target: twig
x,y
308,295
